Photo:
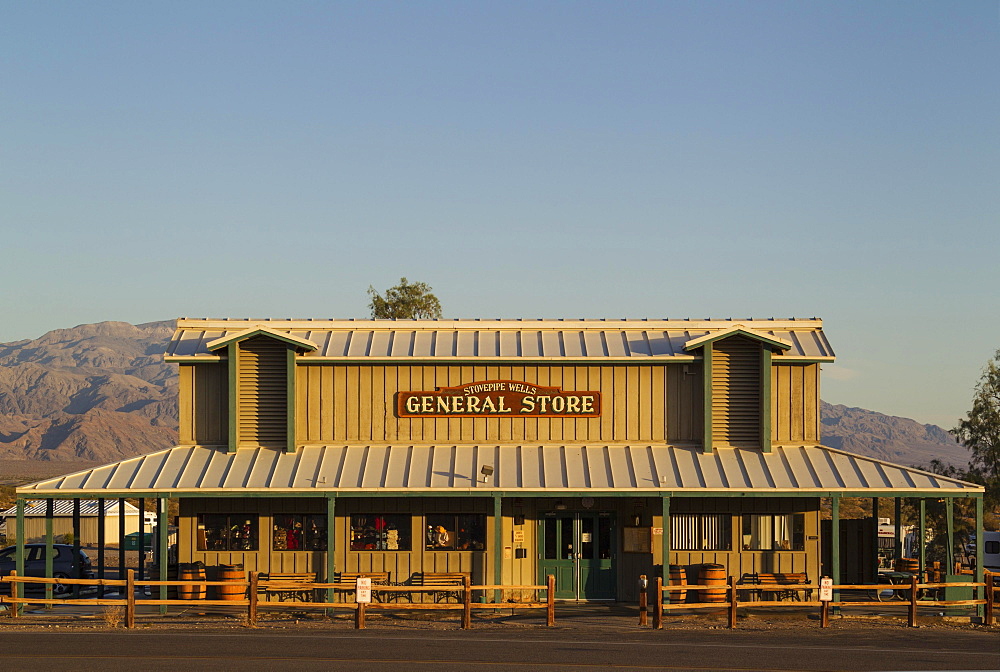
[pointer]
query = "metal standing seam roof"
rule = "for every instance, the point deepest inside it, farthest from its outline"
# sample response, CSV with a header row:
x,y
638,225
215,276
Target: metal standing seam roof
x,y
88,507
442,340
518,470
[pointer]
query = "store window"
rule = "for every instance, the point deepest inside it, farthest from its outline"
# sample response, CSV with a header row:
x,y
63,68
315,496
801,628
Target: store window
x,y
455,532
380,532
774,532
299,532
227,532
701,532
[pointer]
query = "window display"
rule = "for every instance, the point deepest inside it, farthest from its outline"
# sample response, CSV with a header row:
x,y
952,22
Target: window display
x,y
455,532
227,532
299,532
769,532
380,532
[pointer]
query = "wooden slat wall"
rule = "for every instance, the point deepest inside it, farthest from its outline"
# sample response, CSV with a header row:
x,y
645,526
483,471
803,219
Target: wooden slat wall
x,y
795,403
339,404
736,397
263,388
204,404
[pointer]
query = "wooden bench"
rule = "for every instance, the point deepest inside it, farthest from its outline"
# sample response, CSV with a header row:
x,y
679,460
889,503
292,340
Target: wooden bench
x,y
293,585
378,579
450,582
779,578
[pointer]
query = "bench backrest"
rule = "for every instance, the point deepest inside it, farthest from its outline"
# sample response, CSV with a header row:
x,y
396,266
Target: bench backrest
x,y
288,577
352,577
439,578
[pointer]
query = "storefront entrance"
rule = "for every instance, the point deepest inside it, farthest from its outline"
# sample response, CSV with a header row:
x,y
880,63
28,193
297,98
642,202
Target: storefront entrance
x,y
578,549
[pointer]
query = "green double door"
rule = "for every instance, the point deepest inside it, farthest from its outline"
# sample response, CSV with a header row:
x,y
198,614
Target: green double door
x,y
579,550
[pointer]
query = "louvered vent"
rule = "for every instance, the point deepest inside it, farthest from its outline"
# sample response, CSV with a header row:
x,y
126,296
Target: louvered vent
x,y
263,393
736,400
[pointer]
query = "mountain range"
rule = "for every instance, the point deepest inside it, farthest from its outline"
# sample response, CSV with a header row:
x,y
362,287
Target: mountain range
x,y
102,392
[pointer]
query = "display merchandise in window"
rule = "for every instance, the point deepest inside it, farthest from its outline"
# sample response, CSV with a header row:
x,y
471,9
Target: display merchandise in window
x,y
299,532
701,532
774,532
451,532
227,532
380,532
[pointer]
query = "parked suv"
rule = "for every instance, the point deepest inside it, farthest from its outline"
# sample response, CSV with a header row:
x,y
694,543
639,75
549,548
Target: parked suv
x,y
34,563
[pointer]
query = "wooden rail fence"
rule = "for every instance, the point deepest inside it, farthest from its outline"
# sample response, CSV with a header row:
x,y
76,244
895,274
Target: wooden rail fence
x,y
253,605
731,602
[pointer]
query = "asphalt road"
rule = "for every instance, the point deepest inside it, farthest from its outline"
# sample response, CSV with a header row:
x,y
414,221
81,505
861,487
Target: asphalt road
x,y
545,650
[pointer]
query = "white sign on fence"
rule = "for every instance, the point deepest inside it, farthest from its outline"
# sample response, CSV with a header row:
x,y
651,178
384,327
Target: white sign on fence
x,y
826,589
363,590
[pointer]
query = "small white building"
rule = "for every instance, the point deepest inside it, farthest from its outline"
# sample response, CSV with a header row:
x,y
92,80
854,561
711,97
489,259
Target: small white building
x,y
62,520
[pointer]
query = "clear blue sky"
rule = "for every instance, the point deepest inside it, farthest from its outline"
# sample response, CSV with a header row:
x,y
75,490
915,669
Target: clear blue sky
x,y
527,159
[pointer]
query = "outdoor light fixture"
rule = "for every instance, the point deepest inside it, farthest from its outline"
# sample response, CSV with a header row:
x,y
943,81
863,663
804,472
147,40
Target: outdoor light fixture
x,y
486,471
560,506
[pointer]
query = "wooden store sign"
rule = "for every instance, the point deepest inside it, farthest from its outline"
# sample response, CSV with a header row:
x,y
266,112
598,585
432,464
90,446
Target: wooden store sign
x,y
499,398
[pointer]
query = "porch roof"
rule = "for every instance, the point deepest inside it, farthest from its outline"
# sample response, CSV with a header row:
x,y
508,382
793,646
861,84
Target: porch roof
x,y
518,470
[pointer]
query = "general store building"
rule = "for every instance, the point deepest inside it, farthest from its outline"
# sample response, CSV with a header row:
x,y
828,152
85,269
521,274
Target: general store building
x,y
506,449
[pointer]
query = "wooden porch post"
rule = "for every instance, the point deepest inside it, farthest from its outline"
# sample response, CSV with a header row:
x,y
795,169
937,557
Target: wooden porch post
x,y
922,541
835,545
49,514
331,559
162,547
18,588
980,548
497,546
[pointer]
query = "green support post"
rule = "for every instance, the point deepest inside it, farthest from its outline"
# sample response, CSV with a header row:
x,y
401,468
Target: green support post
x,y
922,541
835,547
875,539
49,515
898,551
19,560
949,509
497,546
665,541
331,557
162,541
979,576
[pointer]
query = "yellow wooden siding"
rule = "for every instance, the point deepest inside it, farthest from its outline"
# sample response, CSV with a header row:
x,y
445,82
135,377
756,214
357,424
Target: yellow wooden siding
x,y
262,393
736,407
203,399
795,403
346,404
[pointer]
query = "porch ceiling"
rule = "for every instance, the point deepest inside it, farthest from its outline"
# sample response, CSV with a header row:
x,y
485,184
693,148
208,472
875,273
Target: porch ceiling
x,y
518,470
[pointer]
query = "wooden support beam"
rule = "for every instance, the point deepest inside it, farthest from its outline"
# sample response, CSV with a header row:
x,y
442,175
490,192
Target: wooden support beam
x,y
550,600
130,599
466,603
658,605
643,604
252,599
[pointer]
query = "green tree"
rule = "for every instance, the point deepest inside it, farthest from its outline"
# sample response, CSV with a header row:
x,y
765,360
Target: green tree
x,y
980,431
405,301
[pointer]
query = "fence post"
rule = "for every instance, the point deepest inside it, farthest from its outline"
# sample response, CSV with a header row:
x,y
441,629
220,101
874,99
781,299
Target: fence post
x,y
15,593
913,602
990,587
643,601
550,599
130,598
658,605
824,614
732,602
252,600
359,616
466,603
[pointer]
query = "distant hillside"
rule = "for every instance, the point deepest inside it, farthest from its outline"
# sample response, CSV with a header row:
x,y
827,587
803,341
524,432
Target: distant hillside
x,y
887,437
96,392
101,392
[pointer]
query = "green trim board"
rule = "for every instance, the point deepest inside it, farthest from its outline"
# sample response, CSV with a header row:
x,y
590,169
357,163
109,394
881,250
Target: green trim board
x,y
234,406
706,381
765,400
224,342
737,330
290,400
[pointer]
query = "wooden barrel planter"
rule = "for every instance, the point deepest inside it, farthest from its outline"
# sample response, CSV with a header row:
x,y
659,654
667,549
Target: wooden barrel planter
x,y
678,577
911,565
712,575
154,574
237,591
191,591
